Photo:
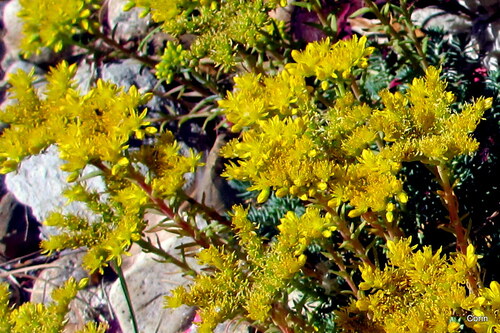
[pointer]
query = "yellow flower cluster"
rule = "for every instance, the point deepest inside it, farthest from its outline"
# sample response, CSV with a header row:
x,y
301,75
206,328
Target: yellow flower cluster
x,y
217,33
418,292
286,94
51,23
89,128
283,95
485,315
94,129
351,153
107,238
280,155
41,318
119,217
421,124
166,166
165,10
249,286
325,60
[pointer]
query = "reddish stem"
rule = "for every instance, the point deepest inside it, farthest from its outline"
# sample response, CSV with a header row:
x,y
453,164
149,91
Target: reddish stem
x,y
451,201
346,276
184,225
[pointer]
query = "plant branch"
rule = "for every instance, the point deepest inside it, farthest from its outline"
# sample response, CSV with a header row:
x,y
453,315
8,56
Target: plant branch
x,y
348,237
408,53
345,275
450,199
148,247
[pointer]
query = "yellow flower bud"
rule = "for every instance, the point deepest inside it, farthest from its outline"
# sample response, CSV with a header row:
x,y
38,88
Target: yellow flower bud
x,y
281,192
322,186
264,195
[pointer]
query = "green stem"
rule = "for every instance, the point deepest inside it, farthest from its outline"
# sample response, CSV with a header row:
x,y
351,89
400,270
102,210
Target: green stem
x,y
117,46
148,247
341,87
346,234
126,293
413,36
408,53
322,19
209,83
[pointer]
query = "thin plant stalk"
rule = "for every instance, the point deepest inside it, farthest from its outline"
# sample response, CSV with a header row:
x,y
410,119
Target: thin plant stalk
x,y
123,284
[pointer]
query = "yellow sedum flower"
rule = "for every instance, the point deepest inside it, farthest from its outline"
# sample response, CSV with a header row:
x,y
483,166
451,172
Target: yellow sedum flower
x,y
330,155
324,60
89,128
50,23
212,23
250,286
256,98
419,291
95,129
43,318
422,124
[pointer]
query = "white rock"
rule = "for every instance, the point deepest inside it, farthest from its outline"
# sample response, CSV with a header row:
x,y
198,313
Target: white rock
x,y
85,76
39,183
430,17
13,26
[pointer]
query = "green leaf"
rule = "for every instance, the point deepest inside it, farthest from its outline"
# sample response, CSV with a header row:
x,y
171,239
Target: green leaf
x,y
385,9
397,9
305,5
425,43
128,6
333,23
361,12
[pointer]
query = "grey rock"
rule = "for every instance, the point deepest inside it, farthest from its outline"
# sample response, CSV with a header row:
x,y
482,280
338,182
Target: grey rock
x,y
85,76
63,268
39,183
126,25
230,326
470,4
208,186
148,281
17,65
126,73
233,326
490,41
19,233
89,304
